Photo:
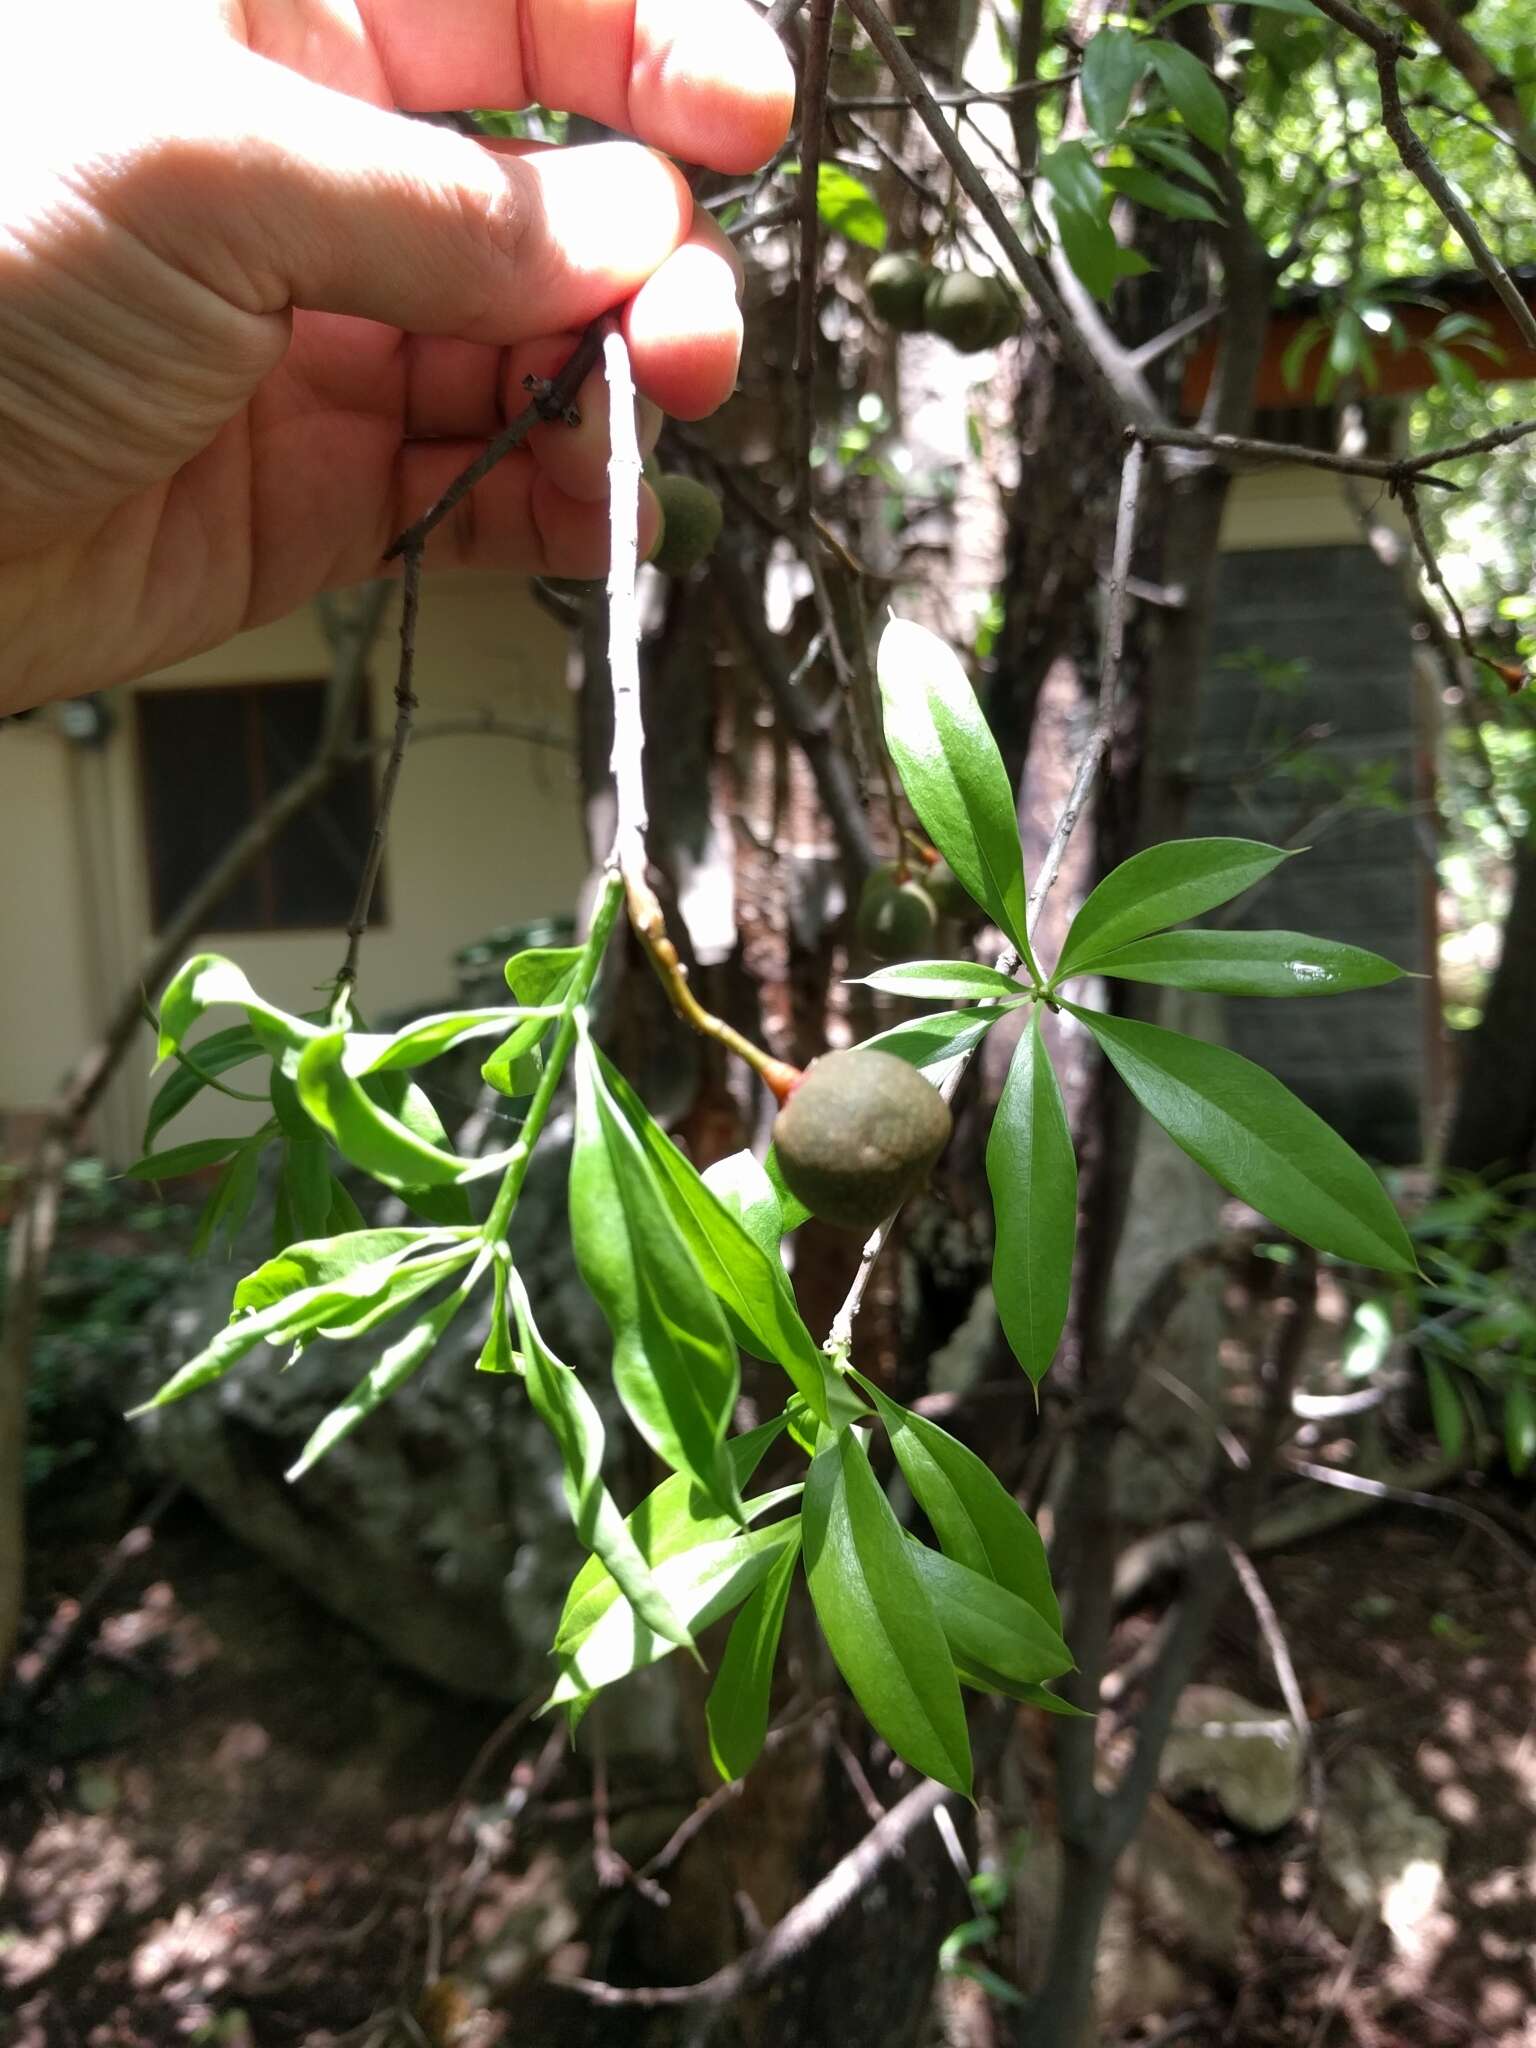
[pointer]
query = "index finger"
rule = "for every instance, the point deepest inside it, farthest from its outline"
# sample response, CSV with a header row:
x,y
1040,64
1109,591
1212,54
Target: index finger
x,y
704,80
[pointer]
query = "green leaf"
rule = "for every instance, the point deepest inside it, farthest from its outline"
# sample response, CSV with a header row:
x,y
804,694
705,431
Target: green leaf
x,y
183,1159
702,1585
1089,245
846,205
985,1625
1032,1172
540,978
347,1268
1520,1424
1193,91
207,979
948,981
1226,963
211,1056
977,1521
742,1184
344,1214
1163,886
1073,177
373,1052
980,1679
737,1708
953,773
1113,64
792,1211
224,1213
674,1363
877,1616
1173,155
928,1042
1146,188
496,1353
404,1357
673,1518
305,1187
364,1132
1256,1140
1445,1408
752,1287
409,1103
567,1411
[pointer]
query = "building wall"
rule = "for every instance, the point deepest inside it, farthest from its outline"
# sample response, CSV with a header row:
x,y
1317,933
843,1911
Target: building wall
x,y
486,832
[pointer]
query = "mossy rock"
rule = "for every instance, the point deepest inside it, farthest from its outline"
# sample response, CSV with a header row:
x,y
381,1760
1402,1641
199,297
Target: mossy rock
x,y
897,289
859,1136
691,521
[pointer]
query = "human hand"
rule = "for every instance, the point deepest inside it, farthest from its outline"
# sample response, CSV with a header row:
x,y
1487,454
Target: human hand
x,y
252,321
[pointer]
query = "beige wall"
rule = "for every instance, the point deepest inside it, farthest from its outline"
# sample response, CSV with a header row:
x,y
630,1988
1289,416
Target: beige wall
x,y
486,832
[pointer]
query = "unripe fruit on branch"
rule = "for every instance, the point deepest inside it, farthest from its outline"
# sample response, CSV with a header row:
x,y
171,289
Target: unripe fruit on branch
x,y
970,312
950,896
859,1136
896,918
897,288
691,523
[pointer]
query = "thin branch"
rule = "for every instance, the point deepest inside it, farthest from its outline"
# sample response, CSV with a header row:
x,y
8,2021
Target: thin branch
x,y
800,1926
813,116
1239,447
1500,437
405,712
1102,371
549,402
969,96
1413,1497
1409,498
1090,763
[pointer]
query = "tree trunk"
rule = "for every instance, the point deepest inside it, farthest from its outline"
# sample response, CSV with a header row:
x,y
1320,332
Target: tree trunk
x,y
1494,1127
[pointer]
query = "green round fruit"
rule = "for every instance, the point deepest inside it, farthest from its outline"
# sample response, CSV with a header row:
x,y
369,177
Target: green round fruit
x,y
896,919
897,288
949,894
970,312
691,522
859,1136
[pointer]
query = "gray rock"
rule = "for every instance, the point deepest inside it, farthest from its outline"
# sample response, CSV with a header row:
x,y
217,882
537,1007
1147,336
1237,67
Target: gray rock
x,y
1247,1758
1382,1859
438,1527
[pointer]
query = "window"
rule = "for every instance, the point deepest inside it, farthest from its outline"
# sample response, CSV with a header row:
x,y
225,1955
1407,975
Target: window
x,y
210,759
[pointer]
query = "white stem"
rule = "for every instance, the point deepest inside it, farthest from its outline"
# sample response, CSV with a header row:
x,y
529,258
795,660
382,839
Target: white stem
x,y
624,467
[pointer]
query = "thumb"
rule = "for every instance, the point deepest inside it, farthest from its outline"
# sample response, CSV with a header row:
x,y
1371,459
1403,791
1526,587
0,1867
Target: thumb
x,y
291,194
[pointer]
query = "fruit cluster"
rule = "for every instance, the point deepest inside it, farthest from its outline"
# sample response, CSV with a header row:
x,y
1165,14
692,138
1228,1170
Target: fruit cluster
x,y
900,907
968,311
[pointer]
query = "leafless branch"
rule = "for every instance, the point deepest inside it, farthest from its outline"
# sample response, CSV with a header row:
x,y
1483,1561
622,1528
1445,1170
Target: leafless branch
x,y
400,739
813,117
799,1927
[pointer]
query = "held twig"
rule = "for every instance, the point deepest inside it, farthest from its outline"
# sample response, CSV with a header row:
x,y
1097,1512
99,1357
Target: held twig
x,y
1090,763
405,712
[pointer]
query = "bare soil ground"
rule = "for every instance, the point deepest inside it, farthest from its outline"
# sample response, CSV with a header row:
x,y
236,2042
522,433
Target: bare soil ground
x,y
221,1824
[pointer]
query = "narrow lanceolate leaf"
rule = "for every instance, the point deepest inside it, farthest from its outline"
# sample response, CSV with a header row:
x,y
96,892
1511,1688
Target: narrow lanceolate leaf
x,y
1445,1408
409,1103
208,979
1248,964
1032,1172
977,1521
305,1187
567,1411
674,1361
930,1043
1192,89
1163,886
1520,1424
373,1052
987,1626
407,1355
364,1132
742,1184
953,773
198,1066
497,1353
673,1518
1113,65
1252,1136
226,1209
702,1585
877,1617
946,981
737,1708
183,1159
351,1267
752,1287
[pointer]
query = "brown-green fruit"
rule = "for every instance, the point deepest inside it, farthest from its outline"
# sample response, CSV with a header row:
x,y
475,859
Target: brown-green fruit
x,y
859,1136
970,312
897,288
691,522
949,894
896,918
